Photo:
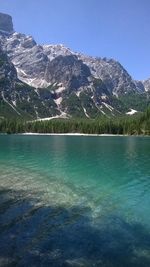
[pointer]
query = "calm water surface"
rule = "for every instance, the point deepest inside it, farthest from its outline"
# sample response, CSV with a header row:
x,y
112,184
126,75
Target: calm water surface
x,y
74,201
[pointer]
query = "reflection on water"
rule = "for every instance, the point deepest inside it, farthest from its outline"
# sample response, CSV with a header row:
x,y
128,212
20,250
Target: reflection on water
x,y
74,201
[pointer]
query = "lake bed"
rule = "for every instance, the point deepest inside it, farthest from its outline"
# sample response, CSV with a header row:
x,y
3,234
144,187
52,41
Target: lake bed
x,y
74,201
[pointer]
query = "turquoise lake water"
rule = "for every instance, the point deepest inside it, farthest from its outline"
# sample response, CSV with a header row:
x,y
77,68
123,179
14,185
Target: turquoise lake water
x,y
74,201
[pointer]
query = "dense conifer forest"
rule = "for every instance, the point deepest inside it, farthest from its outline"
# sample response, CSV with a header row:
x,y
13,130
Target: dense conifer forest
x,y
131,125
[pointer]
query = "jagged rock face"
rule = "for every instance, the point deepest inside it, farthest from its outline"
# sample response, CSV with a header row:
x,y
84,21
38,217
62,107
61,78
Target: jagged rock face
x,y
18,99
111,72
8,74
28,58
38,68
87,99
69,71
34,64
35,68
140,86
33,61
71,83
8,79
6,23
147,85
53,51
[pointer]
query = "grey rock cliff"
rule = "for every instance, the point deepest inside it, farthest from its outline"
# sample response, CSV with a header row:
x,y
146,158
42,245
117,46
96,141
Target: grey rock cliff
x,y
69,71
6,23
8,73
147,85
18,99
60,81
112,73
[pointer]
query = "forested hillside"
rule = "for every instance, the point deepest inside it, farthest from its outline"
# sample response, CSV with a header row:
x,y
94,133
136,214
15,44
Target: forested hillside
x,y
132,125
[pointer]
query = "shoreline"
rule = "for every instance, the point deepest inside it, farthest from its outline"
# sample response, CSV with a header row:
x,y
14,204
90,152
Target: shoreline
x,y
75,134
71,134
80,134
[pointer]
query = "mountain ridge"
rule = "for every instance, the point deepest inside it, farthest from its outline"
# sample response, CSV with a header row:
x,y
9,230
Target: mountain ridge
x,y
75,84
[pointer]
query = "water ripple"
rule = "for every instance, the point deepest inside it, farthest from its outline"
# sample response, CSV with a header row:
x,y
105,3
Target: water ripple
x,y
74,202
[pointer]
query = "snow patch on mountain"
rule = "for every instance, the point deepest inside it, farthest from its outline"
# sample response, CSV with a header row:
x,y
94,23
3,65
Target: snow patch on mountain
x,y
8,103
58,101
85,112
108,106
63,115
131,112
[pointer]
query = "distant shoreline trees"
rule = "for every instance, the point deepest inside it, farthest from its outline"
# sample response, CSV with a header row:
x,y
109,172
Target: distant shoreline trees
x,y
130,125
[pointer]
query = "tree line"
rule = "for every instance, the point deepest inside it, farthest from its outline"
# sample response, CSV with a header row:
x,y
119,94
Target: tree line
x,y
130,125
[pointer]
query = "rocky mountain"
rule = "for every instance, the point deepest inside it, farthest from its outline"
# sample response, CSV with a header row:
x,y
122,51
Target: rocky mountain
x,y
53,81
8,78
18,99
6,24
146,84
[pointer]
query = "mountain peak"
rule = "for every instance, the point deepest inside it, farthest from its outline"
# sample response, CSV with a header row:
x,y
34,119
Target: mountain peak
x,y
6,24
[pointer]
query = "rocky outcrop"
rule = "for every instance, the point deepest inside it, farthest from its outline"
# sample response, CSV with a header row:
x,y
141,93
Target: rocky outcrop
x,y
18,99
6,24
28,58
8,73
34,64
51,80
112,73
69,71
146,84
140,86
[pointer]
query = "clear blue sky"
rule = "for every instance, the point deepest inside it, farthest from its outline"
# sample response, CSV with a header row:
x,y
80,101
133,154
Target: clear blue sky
x,y
107,28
